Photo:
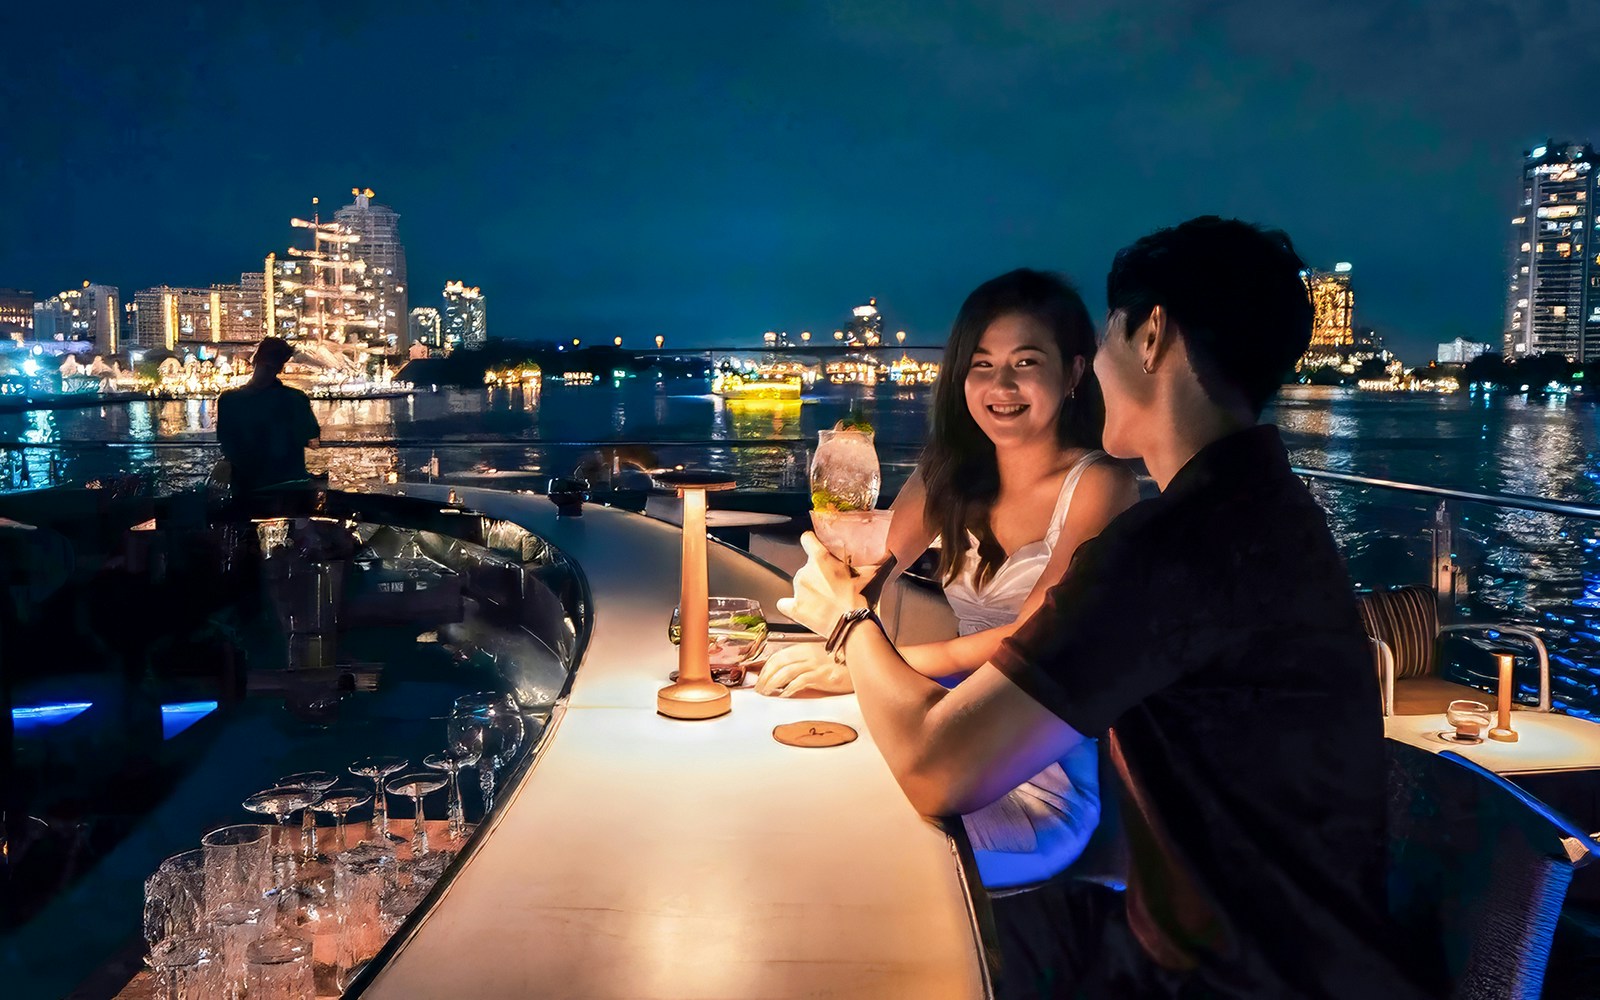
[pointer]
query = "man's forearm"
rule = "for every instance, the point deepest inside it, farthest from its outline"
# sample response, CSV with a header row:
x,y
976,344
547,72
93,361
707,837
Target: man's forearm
x,y
896,700
952,751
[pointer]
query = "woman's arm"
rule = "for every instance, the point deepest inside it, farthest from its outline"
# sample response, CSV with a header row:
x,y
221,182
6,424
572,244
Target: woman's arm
x,y
1104,491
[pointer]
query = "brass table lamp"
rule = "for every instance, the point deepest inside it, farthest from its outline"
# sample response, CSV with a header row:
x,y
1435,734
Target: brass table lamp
x,y
1503,732
694,695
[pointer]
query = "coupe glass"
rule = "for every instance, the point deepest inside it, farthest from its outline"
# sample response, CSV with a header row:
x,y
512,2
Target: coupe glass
x,y
282,802
503,730
1468,718
452,762
414,786
378,768
338,802
738,635
174,899
319,782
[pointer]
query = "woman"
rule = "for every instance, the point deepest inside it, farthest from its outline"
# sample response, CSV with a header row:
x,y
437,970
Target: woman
x,y
1014,459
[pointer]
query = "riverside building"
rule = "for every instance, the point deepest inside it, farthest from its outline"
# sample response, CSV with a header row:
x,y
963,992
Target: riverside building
x,y
465,321
1553,296
85,315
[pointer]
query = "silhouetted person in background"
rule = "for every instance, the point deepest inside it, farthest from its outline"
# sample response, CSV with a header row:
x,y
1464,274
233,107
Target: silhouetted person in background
x,y
265,426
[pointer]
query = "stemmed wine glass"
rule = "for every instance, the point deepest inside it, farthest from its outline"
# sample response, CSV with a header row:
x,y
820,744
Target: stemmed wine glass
x,y
280,802
501,722
339,801
319,782
378,768
415,785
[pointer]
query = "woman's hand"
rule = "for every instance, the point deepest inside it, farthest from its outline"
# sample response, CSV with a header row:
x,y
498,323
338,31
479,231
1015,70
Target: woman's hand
x,y
803,668
824,589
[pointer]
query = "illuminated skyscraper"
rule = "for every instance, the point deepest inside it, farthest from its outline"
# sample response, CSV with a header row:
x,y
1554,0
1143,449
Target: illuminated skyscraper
x,y
1553,298
1333,329
425,327
87,314
384,275
464,319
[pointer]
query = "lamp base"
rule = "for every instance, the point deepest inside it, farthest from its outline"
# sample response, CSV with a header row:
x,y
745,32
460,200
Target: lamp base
x,y
1503,735
693,700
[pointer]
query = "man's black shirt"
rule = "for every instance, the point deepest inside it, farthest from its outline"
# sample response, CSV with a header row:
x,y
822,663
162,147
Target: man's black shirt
x,y
263,427
1213,631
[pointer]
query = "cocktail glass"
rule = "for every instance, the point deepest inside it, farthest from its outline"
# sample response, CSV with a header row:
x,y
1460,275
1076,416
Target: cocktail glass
x,y
452,762
281,802
503,730
858,538
738,634
379,768
338,802
414,786
319,782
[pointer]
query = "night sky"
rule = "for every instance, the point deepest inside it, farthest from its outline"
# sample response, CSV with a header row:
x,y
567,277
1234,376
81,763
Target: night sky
x,y
709,171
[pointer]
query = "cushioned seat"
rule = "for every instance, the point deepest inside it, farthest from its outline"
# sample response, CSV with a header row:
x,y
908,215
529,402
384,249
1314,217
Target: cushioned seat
x,y
1404,622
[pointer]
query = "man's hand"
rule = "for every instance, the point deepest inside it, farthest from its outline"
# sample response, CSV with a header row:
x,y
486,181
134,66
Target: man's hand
x,y
824,589
803,668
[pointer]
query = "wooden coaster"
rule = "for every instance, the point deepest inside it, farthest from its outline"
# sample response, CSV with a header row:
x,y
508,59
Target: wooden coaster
x,y
814,734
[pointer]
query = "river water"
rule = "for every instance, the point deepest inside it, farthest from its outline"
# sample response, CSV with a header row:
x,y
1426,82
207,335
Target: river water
x,y
1518,565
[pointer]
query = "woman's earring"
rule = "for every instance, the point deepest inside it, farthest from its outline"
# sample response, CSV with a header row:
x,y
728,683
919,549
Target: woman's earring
x,y
1147,369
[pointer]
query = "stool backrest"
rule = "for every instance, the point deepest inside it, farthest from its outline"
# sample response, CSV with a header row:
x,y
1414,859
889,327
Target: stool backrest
x,y
1407,618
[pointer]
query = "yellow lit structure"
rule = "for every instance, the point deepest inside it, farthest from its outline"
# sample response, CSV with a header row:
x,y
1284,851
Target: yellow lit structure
x,y
1333,327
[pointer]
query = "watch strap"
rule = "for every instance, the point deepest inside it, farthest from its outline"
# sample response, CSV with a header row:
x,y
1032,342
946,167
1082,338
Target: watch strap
x,y
846,623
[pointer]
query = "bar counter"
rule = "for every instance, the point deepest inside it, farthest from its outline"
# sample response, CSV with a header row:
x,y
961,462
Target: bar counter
x,y
639,856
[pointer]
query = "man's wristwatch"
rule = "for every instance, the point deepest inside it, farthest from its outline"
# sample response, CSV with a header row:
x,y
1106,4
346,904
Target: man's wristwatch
x,y
841,630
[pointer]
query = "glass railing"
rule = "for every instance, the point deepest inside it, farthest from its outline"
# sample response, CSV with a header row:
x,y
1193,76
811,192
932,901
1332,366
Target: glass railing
x,y
1492,558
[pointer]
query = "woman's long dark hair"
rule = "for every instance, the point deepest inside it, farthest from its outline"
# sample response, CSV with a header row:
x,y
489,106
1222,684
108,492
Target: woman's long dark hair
x,y
959,470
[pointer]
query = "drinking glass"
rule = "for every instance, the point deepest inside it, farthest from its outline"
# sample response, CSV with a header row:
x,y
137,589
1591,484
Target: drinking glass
x,y
281,802
1468,718
174,898
415,785
278,967
338,802
378,768
359,877
236,864
738,635
237,925
319,782
184,968
503,730
452,762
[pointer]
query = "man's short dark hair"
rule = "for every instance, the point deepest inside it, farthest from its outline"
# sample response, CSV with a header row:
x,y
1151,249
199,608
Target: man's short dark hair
x,y
1236,292
273,353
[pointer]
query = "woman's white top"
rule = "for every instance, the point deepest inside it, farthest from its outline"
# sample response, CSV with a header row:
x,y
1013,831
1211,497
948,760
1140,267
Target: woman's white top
x,y
1040,827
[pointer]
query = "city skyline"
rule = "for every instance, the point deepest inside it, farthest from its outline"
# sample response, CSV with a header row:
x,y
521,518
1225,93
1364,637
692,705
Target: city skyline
x,y
628,169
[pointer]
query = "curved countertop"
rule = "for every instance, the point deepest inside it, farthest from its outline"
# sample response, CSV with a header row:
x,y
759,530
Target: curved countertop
x,y
641,856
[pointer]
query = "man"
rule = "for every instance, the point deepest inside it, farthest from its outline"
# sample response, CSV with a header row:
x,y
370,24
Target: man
x,y
265,426
1212,632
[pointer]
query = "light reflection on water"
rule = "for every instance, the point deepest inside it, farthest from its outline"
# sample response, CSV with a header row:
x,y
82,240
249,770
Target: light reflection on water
x,y
1525,565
